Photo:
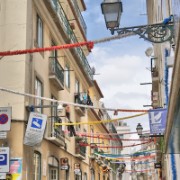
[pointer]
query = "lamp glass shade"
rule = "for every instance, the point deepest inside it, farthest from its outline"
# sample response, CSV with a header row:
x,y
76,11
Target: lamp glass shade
x,y
112,12
139,129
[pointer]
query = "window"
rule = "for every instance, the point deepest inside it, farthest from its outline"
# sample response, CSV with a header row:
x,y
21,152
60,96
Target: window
x,y
92,134
67,76
39,37
37,166
54,53
85,176
77,86
53,173
53,168
38,92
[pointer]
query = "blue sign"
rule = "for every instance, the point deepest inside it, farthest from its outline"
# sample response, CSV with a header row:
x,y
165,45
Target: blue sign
x,y
36,123
157,121
3,159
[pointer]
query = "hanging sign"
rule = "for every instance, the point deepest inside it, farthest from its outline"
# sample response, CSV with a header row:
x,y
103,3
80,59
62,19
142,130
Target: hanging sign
x,y
64,164
4,159
157,121
3,135
35,129
77,169
5,118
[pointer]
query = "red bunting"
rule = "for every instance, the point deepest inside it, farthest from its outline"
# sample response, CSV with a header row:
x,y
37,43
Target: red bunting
x,y
90,45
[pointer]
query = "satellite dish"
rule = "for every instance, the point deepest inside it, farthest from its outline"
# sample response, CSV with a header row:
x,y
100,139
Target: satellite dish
x,y
149,51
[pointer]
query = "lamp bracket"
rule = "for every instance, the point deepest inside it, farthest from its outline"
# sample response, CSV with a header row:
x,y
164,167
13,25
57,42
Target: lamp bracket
x,y
155,33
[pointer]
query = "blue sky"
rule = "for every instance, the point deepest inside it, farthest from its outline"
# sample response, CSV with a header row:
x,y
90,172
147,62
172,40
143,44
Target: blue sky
x,y
122,64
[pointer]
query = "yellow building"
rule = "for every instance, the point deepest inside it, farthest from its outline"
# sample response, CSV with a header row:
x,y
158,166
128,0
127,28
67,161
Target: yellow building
x,y
62,75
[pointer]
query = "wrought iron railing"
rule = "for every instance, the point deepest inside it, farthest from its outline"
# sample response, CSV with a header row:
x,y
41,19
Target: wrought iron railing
x,y
69,32
55,131
79,15
80,149
82,98
56,69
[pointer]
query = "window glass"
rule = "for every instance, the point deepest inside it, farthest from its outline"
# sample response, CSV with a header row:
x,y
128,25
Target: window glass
x,y
53,173
38,92
39,32
77,86
37,166
54,53
85,176
67,76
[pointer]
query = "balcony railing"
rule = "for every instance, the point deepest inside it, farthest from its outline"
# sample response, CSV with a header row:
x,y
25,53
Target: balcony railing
x,y
69,32
80,151
79,15
82,98
56,73
55,133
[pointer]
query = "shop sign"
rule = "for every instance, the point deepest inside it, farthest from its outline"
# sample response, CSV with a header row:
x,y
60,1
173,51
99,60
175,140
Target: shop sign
x,y
64,164
3,135
77,169
2,175
35,129
5,118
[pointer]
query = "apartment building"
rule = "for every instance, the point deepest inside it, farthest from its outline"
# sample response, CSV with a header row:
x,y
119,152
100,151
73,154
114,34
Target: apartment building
x,y
63,75
165,92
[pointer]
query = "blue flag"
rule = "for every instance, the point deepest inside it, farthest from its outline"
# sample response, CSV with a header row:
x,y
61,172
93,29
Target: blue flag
x,y
157,120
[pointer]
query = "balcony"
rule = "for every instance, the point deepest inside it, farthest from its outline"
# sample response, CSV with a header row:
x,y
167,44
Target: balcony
x,y
60,19
80,151
79,16
84,99
56,74
55,133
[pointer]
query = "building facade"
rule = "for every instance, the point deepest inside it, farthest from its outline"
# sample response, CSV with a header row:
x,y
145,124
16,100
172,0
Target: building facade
x,y
60,75
166,94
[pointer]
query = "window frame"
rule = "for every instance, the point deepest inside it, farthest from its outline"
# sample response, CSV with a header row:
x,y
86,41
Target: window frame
x,y
67,75
39,175
77,86
38,102
39,31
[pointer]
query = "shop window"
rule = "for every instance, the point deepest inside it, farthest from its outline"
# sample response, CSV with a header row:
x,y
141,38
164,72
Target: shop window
x,y
37,166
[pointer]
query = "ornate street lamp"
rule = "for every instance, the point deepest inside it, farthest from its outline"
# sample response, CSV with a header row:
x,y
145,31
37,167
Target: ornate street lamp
x,y
112,10
139,129
155,33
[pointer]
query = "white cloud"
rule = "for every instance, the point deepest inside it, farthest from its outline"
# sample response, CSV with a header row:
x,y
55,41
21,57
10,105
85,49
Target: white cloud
x,y
120,78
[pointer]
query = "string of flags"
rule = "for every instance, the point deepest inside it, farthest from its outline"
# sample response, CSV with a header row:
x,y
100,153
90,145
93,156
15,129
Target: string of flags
x,y
68,103
97,146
